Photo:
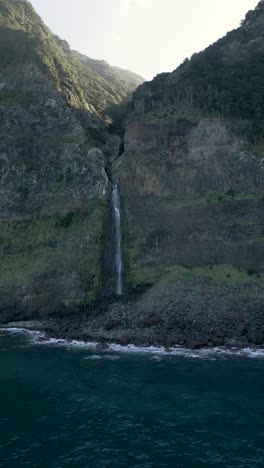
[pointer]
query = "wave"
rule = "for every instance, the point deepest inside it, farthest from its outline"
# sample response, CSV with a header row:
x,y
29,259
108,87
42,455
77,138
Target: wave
x,y
95,357
15,330
40,338
195,354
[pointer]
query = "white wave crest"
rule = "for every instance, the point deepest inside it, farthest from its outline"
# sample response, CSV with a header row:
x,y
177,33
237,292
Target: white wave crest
x,y
39,338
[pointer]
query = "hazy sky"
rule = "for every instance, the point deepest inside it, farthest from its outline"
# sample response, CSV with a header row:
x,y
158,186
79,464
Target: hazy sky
x,y
146,36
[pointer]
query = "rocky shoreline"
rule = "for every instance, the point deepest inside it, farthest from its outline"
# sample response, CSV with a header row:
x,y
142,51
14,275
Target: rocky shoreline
x,y
193,314
36,331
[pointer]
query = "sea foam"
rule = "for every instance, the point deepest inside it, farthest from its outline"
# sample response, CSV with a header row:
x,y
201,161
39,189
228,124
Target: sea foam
x,y
40,338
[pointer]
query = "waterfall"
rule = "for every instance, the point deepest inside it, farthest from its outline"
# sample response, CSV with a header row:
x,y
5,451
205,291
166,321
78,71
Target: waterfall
x,y
116,208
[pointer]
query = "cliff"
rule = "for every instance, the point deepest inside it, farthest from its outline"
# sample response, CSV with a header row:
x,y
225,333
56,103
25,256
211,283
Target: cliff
x,y
192,177
53,184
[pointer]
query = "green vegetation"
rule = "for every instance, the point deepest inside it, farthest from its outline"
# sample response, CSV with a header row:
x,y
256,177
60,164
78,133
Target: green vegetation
x,y
224,80
11,98
87,84
171,113
171,202
44,249
226,274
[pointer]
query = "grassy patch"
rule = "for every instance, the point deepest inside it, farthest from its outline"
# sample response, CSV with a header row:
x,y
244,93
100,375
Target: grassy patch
x,y
224,273
10,98
171,114
49,248
15,269
213,197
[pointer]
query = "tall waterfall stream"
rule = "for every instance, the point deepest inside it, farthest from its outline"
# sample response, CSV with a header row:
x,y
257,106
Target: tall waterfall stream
x,y
118,270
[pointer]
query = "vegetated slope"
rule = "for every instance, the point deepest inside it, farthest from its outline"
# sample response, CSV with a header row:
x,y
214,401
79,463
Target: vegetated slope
x,y
124,81
53,185
192,177
224,80
84,83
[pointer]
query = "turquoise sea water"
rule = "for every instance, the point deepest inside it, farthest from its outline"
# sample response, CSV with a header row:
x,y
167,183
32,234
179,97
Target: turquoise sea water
x,y
77,408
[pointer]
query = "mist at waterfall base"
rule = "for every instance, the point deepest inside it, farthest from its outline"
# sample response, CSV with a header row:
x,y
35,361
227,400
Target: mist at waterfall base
x,y
76,408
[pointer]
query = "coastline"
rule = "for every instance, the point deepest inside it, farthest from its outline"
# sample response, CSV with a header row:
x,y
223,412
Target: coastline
x,y
40,337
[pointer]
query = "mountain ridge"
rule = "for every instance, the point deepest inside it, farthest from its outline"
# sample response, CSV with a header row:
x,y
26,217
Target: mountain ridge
x,y
82,86
223,80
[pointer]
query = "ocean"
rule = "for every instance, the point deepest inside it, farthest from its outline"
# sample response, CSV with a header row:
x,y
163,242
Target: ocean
x,y
68,405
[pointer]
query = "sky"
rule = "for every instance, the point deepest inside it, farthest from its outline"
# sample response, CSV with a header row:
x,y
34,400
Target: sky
x,y
145,36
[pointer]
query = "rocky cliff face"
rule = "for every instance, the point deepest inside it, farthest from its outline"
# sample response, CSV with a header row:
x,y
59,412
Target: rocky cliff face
x,y
192,174
193,195
53,194
53,186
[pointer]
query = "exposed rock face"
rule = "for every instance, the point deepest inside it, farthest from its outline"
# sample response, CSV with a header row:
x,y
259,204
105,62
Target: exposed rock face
x,y
192,176
53,198
193,196
54,189
53,186
186,159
